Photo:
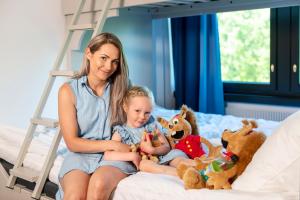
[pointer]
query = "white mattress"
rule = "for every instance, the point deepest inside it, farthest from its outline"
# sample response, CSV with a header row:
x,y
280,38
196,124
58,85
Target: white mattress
x,y
159,186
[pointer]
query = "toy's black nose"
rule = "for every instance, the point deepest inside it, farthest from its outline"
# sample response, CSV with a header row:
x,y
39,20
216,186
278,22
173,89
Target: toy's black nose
x,y
170,126
234,158
224,143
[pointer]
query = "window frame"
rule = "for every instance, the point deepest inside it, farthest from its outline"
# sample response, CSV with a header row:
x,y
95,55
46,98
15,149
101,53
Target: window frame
x,y
284,87
295,77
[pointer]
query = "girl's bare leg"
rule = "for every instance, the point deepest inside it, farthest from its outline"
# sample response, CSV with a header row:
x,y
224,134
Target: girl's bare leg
x,y
103,181
75,185
152,167
179,160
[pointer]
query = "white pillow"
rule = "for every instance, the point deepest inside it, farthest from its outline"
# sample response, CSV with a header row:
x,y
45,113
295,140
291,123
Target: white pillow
x,y
276,165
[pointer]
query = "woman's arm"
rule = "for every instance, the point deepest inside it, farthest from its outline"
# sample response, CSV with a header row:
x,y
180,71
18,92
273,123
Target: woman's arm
x,y
122,156
117,155
69,127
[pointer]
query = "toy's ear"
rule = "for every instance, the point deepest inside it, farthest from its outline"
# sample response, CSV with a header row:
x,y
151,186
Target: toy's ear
x,y
163,122
189,116
183,115
183,111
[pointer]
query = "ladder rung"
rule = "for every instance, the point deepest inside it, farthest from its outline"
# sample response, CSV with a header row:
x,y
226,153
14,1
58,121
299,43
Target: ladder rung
x,y
81,27
51,123
25,173
68,73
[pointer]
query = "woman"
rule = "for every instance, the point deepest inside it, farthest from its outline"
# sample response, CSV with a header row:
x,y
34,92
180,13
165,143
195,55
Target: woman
x,y
88,106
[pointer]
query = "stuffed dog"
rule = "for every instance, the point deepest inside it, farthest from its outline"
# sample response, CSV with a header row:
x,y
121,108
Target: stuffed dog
x,y
220,171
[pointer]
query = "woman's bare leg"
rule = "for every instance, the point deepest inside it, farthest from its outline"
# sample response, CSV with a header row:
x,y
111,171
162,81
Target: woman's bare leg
x,y
103,181
75,185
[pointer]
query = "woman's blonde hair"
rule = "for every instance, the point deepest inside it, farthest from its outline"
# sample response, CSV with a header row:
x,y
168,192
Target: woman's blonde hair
x,y
118,80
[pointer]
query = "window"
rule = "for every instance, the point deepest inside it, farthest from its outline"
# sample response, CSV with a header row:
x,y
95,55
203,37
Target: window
x,y
245,50
260,55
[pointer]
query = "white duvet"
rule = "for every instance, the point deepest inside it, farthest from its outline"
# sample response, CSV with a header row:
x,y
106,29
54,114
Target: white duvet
x,y
141,185
146,186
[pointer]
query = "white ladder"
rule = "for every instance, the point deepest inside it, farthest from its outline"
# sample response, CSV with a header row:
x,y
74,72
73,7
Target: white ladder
x,y
29,174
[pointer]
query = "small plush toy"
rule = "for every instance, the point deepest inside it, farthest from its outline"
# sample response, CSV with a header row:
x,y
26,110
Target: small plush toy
x,y
155,143
220,171
183,133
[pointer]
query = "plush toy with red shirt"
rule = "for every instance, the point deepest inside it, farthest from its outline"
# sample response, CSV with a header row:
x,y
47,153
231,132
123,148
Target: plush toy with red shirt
x,y
183,133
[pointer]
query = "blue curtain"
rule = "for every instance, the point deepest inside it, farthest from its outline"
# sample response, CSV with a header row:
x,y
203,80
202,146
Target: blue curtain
x,y
196,59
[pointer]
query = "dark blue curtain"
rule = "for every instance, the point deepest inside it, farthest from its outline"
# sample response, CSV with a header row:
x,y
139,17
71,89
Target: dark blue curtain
x,y
197,68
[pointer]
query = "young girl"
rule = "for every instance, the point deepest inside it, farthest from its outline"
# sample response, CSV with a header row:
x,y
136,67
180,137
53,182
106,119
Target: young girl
x,y
137,104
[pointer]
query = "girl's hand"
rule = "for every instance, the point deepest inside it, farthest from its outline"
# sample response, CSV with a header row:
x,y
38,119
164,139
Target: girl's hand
x,y
118,146
146,145
136,159
162,138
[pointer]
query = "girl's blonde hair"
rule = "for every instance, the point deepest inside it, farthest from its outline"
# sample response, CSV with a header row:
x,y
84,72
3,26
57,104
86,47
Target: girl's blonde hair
x,y
119,79
137,91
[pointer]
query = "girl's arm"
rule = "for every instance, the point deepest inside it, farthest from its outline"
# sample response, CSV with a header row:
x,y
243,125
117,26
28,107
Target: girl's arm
x,y
69,127
122,156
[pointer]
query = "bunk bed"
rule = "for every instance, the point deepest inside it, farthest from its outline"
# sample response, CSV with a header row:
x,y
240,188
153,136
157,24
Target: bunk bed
x,y
175,8
144,185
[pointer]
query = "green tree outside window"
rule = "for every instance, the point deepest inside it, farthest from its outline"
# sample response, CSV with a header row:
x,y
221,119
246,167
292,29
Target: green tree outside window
x,y
245,45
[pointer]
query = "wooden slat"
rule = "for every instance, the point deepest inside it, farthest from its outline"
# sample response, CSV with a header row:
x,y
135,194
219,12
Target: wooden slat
x,y
82,27
51,123
67,73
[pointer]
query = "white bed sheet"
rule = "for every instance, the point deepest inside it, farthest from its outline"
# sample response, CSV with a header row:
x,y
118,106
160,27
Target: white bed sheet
x,y
148,186
211,127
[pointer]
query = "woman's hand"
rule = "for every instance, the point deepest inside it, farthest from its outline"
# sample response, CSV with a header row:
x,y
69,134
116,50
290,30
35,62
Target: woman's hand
x,y
146,145
136,159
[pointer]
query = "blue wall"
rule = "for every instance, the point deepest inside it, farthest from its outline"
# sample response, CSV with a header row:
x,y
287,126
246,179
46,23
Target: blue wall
x,y
135,32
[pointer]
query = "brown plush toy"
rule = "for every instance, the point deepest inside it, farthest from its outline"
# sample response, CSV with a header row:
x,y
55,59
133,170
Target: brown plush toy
x,y
155,143
183,133
221,171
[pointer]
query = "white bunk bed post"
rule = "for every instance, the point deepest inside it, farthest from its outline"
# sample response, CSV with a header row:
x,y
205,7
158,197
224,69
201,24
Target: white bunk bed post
x,y
27,173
